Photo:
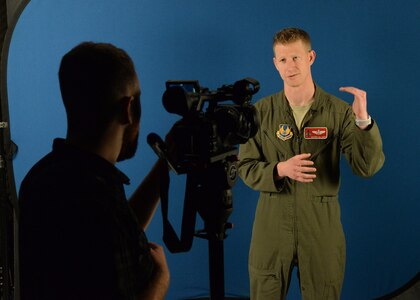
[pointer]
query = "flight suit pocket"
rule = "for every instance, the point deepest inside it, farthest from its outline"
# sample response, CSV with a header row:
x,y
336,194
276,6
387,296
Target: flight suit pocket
x,y
326,217
325,199
327,208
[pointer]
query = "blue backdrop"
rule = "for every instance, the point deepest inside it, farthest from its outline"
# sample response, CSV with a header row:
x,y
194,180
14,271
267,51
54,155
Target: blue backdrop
x,y
372,45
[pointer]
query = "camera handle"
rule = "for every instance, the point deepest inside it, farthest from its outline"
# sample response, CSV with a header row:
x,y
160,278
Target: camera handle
x,y
172,242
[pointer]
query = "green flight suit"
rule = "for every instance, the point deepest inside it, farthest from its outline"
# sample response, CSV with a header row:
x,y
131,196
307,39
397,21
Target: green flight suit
x,y
299,223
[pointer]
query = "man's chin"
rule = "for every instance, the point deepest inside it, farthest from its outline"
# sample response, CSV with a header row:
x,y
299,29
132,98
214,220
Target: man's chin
x,y
127,152
128,147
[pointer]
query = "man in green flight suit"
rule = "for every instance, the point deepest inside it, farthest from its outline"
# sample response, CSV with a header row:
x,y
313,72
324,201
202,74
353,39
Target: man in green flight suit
x,y
294,162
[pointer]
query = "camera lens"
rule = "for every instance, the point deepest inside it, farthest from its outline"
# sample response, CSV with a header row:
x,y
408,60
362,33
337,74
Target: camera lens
x,y
235,123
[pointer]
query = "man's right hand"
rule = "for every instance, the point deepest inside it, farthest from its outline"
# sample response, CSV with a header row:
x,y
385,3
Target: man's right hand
x,y
159,284
298,168
161,265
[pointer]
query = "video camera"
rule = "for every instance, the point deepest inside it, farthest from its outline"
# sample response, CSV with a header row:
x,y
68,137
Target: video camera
x,y
208,132
204,147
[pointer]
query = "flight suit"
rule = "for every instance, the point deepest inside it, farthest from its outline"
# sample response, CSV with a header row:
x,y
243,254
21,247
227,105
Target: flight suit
x,y
298,224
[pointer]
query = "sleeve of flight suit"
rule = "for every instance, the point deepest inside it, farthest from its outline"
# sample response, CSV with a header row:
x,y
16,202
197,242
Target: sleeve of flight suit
x,y
257,166
254,171
362,148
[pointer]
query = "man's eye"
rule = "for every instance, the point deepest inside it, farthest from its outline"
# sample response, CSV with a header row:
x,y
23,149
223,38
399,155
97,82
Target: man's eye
x,y
295,58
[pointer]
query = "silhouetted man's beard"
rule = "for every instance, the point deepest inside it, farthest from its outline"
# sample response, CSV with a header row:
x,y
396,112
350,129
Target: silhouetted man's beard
x,y
129,144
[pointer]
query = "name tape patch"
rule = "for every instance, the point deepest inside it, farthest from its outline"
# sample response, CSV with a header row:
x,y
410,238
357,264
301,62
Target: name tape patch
x,y
316,133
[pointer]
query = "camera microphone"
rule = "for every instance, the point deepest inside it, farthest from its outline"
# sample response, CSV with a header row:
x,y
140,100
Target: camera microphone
x,y
154,139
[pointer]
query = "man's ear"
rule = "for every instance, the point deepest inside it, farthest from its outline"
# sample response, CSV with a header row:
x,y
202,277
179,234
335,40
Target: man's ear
x,y
126,110
275,63
312,56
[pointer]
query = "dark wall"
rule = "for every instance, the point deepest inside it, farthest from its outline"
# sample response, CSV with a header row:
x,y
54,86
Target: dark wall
x,y
372,45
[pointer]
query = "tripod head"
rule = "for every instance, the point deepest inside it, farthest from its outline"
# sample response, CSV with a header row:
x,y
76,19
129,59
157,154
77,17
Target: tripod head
x,y
214,198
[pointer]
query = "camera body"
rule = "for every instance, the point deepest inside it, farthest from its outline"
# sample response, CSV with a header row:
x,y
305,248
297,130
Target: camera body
x,y
208,130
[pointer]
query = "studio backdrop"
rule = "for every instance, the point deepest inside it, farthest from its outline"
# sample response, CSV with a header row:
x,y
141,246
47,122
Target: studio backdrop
x,y
372,45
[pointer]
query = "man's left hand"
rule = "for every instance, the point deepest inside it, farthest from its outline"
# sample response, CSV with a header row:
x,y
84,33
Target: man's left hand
x,y
359,103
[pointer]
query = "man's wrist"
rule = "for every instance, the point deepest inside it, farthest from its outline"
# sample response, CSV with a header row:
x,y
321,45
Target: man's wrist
x,y
278,175
363,123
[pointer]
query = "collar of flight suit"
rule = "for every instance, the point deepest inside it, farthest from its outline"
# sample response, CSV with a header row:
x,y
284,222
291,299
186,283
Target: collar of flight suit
x,y
317,105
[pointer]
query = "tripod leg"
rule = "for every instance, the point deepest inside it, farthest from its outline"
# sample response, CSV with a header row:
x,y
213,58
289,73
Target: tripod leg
x,y
216,267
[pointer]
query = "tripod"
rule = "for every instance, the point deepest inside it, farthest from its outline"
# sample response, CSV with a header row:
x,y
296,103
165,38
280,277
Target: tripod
x,y
208,192
211,189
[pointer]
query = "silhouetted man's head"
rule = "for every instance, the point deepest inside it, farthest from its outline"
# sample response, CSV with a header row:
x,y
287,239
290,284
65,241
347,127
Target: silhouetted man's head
x,y
95,78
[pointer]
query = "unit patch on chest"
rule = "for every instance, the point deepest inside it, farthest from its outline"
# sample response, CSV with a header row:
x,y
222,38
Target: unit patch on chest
x,y
285,132
315,133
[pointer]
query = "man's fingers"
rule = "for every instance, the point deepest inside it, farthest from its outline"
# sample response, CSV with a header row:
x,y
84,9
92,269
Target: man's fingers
x,y
302,159
348,89
303,156
353,90
306,178
305,174
305,163
298,168
153,245
307,170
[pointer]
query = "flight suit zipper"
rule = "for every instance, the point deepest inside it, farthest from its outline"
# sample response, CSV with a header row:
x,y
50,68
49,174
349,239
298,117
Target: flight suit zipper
x,y
296,147
298,150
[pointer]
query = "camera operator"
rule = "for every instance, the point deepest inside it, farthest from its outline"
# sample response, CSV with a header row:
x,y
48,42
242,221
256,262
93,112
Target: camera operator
x,y
79,237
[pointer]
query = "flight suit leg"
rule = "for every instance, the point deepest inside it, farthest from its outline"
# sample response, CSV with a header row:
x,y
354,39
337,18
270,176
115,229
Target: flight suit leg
x,y
321,251
272,251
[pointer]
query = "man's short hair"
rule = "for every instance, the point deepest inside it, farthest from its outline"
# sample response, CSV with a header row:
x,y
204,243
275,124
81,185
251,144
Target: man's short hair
x,y
93,76
290,35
